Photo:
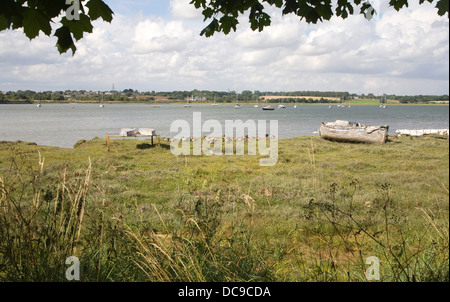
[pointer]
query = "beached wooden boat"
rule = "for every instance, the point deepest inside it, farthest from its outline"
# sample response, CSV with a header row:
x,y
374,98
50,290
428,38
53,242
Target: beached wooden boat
x,y
353,132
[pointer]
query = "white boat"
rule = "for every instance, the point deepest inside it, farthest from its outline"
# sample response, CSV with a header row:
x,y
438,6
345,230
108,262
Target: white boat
x,y
422,132
237,106
383,102
268,108
101,104
281,106
39,103
353,132
187,104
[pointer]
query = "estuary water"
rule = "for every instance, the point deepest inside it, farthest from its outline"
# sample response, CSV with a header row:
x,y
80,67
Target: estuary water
x,y
62,125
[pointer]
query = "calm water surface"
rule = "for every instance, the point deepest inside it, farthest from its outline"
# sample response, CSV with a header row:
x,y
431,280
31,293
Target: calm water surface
x,y
61,125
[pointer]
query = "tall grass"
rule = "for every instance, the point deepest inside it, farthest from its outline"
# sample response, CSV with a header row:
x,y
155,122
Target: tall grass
x,y
46,218
315,217
209,243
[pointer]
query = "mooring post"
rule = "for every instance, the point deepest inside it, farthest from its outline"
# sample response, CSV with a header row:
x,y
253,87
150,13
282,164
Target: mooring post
x,y
107,141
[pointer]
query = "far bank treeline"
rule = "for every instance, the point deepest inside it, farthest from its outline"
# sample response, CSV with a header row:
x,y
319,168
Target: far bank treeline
x,y
130,95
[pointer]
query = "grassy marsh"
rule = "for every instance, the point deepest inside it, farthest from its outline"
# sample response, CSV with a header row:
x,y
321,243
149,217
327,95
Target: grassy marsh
x,y
138,213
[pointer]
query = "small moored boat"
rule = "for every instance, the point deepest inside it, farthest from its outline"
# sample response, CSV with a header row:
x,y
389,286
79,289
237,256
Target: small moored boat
x,y
353,132
268,108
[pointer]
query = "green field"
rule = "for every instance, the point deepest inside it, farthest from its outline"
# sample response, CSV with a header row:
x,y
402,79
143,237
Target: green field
x,y
138,213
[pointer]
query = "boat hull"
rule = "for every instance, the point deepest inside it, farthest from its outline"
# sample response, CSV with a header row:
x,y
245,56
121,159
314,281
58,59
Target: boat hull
x,y
354,132
268,108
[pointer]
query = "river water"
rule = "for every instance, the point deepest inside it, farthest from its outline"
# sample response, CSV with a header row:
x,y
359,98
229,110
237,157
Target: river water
x,y
62,125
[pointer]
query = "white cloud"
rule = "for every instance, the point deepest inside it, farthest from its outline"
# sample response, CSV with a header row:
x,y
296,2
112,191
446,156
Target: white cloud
x,y
182,9
402,52
160,36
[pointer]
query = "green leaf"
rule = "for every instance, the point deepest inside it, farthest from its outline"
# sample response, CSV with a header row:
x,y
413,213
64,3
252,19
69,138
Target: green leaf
x,y
97,9
208,13
227,23
65,41
291,6
35,21
4,24
398,4
51,8
78,27
442,6
209,30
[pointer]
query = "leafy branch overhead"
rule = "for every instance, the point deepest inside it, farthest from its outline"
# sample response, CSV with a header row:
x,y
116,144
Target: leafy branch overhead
x,y
71,19
74,18
223,14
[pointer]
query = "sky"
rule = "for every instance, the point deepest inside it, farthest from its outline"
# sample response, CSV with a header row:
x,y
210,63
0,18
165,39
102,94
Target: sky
x,y
155,45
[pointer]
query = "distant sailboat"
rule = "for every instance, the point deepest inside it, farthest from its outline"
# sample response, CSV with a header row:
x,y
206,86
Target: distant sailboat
x,y
101,104
214,104
155,105
268,108
341,104
237,106
383,102
295,104
187,104
39,102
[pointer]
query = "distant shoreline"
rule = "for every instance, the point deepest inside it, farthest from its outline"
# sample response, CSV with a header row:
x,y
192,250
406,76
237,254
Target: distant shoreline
x,y
220,104
16,102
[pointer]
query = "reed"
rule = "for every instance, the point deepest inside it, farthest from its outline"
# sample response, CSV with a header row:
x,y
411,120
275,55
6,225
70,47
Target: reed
x,y
136,214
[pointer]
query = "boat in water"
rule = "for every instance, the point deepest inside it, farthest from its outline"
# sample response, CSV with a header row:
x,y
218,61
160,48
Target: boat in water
x,y
101,103
188,105
268,108
353,132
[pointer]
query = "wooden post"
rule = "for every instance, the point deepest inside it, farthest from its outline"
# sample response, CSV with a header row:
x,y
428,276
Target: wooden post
x,y
159,140
107,142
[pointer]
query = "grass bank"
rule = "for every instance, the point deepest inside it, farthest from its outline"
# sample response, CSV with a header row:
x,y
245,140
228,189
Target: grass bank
x,y
138,213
